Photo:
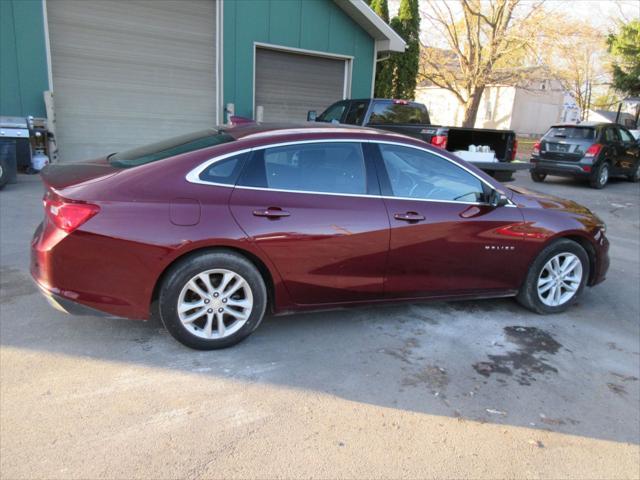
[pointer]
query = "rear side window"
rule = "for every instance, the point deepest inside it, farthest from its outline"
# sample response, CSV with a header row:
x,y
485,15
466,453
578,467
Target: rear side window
x,y
317,167
356,113
610,135
573,133
389,113
224,171
169,148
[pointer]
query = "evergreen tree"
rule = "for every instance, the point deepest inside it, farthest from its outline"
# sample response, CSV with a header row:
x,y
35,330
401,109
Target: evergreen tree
x,y
405,65
384,68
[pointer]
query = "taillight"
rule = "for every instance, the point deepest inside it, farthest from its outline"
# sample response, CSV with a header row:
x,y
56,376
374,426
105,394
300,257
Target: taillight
x,y
515,150
67,215
439,141
398,101
593,150
536,149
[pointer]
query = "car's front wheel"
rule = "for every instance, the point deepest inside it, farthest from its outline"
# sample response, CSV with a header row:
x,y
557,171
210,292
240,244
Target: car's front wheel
x,y
555,278
635,176
212,300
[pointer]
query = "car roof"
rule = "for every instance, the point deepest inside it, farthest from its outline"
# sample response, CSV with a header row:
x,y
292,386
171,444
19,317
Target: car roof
x,y
582,124
270,132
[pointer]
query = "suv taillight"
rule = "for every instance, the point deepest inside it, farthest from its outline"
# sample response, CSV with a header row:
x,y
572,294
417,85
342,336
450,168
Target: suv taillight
x,y
68,215
536,149
439,141
514,152
593,150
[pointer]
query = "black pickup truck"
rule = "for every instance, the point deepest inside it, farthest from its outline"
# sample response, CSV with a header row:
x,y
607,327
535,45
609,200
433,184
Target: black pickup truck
x,y
412,119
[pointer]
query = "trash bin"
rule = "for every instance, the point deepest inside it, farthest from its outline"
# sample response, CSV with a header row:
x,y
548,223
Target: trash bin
x,y
15,149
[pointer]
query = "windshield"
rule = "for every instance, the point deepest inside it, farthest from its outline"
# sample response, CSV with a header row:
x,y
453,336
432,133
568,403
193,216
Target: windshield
x,y
573,133
169,148
389,113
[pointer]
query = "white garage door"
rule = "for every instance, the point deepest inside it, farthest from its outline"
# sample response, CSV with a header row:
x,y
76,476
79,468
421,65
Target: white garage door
x,y
288,85
130,73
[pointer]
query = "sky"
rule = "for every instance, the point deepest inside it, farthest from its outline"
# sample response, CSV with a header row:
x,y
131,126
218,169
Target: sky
x,y
601,13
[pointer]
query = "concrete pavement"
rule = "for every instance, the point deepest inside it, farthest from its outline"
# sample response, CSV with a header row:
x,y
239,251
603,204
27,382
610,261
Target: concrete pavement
x,y
479,389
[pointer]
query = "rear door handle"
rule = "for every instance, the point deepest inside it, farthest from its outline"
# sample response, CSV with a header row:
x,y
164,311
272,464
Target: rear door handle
x,y
271,212
409,217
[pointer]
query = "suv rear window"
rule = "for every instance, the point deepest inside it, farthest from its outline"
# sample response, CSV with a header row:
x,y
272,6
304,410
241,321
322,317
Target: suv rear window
x,y
169,148
388,112
573,133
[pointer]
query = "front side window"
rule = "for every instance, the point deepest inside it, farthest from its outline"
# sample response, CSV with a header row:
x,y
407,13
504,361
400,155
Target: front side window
x,y
333,114
421,175
625,135
315,167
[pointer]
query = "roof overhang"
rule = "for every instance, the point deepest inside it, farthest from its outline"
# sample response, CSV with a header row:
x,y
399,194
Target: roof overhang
x,y
387,40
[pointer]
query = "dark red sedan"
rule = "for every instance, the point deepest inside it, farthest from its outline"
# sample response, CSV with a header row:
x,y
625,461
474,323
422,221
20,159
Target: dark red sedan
x,y
213,230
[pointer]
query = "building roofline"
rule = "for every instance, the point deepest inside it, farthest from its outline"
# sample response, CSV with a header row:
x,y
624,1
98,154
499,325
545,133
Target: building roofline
x,y
387,40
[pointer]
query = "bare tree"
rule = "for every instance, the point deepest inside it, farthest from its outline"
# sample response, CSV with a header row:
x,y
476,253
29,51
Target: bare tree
x,y
482,42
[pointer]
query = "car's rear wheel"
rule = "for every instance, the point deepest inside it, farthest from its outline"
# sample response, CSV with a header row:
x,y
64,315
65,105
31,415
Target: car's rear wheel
x,y
635,176
556,278
538,177
600,176
212,300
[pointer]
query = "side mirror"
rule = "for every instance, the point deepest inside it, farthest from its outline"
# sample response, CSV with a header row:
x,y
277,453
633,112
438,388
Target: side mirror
x,y
312,115
497,199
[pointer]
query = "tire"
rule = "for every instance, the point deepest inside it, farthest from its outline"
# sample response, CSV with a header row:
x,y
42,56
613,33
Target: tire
x,y
600,176
187,326
538,177
542,301
4,173
635,176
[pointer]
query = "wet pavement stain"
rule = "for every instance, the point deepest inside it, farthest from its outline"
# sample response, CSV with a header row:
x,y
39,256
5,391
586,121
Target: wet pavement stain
x,y
525,362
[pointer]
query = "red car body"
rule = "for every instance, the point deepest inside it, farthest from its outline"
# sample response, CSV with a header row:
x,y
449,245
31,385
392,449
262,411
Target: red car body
x,y
332,250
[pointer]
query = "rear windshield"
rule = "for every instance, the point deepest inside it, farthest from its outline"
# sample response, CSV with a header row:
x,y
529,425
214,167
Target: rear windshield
x,y
573,133
388,113
169,148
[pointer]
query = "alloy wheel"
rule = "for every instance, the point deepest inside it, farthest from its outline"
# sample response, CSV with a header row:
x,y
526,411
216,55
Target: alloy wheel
x,y
215,304
603,176
559,279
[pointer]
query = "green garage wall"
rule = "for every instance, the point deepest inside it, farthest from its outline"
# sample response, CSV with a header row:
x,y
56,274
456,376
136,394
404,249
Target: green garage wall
x,y
23,58
318,25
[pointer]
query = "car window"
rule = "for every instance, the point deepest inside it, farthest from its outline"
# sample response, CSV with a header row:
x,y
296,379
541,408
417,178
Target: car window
x,y
356,113
333,113
225,171
573,133
610,134
317,167
625,135
390,112
169,148
418,174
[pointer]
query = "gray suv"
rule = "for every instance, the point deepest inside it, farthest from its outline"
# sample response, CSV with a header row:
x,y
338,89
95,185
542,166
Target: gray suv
x,y
594,151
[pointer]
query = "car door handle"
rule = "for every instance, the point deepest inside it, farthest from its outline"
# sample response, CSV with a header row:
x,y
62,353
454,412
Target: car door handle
x,y
271,212
409,217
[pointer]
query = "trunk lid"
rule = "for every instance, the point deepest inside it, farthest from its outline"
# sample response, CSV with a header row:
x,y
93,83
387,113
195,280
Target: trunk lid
x,y
61,176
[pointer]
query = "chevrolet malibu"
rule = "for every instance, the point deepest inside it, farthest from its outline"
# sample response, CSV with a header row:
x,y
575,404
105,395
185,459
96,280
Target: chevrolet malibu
x,y
213,230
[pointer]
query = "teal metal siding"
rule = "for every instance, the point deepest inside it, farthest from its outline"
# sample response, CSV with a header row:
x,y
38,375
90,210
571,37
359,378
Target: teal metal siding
x,y
317,25
23,58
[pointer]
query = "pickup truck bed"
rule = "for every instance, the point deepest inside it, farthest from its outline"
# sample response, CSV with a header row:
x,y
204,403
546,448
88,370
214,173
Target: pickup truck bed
x,y
412,119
